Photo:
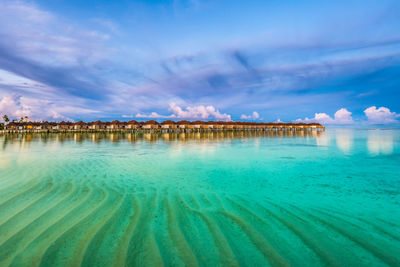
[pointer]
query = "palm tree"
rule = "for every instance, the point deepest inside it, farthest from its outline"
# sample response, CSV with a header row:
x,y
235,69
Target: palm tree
x,y
6,119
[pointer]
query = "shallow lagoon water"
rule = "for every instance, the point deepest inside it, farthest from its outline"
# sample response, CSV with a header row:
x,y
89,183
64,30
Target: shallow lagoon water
x,y
223,199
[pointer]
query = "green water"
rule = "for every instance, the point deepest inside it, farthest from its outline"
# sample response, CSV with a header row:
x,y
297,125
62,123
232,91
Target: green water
x,y
310,199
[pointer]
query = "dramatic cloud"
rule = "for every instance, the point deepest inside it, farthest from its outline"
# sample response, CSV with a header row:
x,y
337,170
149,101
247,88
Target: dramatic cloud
x,y
39,46
15,107
342,116
191,112
87,66
11,105
381,115
253,116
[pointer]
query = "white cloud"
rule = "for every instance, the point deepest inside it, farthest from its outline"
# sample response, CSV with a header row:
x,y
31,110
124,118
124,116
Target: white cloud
x,y
15,106
153,115
198,112
191,112
253,116
128,116
323,118
11,105
342,116
381,115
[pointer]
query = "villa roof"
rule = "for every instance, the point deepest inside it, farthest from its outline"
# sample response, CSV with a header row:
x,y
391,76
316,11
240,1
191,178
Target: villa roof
x,y
133,122
168,122
65,123
183,122
151,122
197,122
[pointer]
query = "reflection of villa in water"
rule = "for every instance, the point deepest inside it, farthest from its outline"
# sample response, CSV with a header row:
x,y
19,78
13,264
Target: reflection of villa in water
x,y
154,126
98,137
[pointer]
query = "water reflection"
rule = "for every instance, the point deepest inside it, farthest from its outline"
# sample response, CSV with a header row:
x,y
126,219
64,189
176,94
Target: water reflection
x,y
323,140
25,139
380,142
344,140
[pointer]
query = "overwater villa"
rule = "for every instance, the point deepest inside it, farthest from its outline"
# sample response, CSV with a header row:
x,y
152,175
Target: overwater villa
x,y
183,124
80,125
132,125
151,125
154,126
168,125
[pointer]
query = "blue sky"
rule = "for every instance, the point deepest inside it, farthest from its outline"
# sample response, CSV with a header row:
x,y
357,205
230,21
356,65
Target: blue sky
x,y
336,62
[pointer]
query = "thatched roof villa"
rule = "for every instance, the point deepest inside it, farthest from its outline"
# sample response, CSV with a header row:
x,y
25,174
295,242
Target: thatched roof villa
x,y
132,124
151,124
95,125
80,125
197,124
183,125
169,124
115,125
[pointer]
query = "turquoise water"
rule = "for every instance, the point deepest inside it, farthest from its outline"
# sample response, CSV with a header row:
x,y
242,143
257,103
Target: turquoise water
x,y
310,199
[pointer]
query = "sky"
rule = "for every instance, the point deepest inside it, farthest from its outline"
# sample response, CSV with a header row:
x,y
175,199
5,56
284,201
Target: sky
x,y
334,62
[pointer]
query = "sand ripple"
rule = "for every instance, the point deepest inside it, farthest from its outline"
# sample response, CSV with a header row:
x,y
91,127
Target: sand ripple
x,y
76,217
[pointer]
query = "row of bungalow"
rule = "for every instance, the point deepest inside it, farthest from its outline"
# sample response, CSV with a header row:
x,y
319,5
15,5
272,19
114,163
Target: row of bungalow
x,y
153,125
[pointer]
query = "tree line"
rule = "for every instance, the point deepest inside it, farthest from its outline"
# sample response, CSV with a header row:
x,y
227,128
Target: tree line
x,y
6,120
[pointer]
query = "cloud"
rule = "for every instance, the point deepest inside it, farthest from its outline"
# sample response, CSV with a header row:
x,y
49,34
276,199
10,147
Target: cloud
x,y
94,65
302,78
190,112
253,116
153,115
342,116
41,46
198,112
11,105
15,106
381,115
127,116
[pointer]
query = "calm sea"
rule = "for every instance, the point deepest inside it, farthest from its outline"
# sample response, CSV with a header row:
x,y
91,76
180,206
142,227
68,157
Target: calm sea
x,y
221,199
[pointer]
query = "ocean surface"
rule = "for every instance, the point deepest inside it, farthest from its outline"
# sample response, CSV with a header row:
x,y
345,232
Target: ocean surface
x,y
225,199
